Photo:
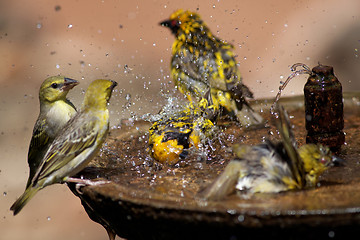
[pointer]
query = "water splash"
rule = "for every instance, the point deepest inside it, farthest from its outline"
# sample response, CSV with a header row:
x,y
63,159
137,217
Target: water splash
x,y
305,70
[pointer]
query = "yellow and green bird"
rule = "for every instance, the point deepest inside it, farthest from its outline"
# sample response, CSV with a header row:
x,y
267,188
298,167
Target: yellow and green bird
x,y
201,62
272,167
76,144
55,111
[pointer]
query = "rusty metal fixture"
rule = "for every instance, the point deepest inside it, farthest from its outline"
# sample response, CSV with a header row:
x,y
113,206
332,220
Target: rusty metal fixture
x,y
324,108
324,115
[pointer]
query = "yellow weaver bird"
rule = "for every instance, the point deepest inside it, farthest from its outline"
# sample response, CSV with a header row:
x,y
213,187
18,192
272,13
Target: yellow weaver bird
x,y
76,144
272,167
171,138
55,111
202,62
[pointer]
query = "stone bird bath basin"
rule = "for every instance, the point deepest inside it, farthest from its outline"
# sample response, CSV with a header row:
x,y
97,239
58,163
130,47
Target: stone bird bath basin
x,y
147,200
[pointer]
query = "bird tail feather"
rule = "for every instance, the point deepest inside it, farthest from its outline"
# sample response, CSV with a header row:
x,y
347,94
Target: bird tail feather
x,y
24,199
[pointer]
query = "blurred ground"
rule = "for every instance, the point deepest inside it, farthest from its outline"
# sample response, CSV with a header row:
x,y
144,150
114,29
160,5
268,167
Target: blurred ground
x,y
122,40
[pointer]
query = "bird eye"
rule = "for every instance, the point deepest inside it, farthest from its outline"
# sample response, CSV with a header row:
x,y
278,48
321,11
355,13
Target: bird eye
x,y
323,160
54,85
174,23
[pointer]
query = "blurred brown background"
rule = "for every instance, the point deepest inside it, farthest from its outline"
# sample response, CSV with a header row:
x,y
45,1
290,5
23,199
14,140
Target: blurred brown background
x,y
123,41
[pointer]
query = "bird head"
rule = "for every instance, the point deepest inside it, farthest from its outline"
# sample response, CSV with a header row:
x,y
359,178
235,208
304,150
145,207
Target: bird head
x,y
185,22
98,94
316,158
56,88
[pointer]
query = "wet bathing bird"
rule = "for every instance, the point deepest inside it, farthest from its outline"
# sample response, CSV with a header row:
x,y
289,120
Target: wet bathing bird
x,y
201,62
271,167
172,137
76,144
55,111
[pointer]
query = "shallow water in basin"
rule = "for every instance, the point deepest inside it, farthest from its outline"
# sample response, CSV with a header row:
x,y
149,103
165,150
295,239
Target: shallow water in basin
x,y
124,161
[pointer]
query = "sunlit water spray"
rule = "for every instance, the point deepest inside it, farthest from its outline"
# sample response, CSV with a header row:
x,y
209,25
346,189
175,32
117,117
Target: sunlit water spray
x,y
305,70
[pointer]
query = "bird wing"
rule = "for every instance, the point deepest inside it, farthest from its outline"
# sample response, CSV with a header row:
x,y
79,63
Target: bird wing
x,y
294,161
189,71
39,144
224,184
39,139
75,138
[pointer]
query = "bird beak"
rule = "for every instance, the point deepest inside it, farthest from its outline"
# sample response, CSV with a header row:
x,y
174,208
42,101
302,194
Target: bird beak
x,y
114,84
166,23
69,84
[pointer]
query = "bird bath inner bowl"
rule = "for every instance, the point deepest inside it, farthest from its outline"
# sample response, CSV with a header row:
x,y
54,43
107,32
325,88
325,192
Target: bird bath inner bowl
x,y
147,200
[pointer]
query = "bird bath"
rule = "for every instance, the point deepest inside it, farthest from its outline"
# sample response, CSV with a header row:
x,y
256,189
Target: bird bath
x,y
147,200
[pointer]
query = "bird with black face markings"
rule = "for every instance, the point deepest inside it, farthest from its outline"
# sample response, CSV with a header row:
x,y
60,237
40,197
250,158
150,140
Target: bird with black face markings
x,y
201,62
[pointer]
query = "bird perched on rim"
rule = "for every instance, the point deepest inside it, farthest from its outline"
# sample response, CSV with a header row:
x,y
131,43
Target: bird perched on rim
x,y
272,167
55,111
200,61
77,143
171,138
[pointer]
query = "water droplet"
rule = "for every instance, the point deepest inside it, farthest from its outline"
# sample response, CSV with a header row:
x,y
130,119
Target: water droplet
x,y
285,25
214,6
70,26
331,234
4,193
38,25
57,8
57,66
127,97
231,211
48,218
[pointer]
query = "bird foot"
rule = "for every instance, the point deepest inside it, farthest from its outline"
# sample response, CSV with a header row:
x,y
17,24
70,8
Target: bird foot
x,y
84,182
